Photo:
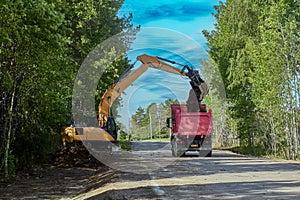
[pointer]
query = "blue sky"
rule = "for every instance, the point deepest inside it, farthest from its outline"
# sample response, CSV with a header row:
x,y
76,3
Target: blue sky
x,y
171,29
186,16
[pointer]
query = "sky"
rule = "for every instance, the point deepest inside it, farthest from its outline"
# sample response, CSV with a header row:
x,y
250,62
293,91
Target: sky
x,y
171,29
189,17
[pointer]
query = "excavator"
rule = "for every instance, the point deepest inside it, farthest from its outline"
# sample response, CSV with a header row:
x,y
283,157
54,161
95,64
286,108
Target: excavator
x,y
106,132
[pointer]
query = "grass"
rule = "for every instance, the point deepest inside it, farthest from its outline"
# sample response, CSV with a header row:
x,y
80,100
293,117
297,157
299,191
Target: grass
x,y
157,140
125,145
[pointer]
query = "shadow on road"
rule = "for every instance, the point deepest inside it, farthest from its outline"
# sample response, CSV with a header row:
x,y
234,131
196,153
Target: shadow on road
x,y
235,190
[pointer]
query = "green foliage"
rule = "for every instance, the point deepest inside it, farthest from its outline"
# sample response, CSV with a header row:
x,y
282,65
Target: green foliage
x,y
42,45
216,101
12,162
124,141
255,47
151,123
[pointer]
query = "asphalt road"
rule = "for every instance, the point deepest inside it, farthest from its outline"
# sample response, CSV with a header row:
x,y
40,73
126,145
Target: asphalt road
x,y
150,172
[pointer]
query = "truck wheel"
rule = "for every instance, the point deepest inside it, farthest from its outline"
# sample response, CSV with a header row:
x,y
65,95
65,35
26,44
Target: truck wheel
x,y
209,154
173,147
205,153
175,151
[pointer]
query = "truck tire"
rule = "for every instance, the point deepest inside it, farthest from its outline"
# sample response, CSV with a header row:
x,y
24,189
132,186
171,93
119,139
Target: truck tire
x,y
175,151
205,153
209,154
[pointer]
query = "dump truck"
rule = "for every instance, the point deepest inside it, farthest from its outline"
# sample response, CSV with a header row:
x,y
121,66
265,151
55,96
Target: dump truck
x,y
105,133
190,131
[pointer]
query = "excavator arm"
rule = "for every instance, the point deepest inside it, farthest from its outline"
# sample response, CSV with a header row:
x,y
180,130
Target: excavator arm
x,y
107,130
198,85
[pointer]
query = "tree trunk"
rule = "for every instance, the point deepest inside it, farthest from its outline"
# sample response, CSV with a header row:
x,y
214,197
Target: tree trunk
x,y
9,132
150,124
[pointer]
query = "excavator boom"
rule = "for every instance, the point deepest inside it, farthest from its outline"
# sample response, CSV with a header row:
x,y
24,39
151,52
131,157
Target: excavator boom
x,y
199,86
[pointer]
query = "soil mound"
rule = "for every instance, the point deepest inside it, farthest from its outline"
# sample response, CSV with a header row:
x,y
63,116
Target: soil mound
x,y
74,157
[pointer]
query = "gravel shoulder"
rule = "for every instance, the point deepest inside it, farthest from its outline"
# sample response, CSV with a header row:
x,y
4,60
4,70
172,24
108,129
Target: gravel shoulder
x,y
225,175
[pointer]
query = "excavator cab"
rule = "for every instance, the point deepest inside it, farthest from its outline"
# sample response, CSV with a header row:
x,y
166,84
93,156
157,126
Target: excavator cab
x,y
111,127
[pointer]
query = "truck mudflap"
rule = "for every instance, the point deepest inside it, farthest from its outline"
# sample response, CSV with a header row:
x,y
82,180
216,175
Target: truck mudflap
x,y
203,145
180,145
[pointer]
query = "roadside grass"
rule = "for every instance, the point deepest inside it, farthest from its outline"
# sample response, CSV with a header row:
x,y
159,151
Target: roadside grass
x,y
157,140
257,151
124,145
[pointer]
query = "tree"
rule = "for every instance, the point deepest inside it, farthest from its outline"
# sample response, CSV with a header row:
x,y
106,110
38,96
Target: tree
x,y
216,101
137,123
256,48
31,39
274,77
42,45
236,25
151,123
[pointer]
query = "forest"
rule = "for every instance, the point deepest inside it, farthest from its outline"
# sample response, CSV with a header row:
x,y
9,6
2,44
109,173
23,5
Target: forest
x,y
42,46
150,123
254,48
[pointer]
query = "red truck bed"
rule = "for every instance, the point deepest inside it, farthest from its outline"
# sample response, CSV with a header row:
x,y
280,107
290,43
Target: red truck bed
x,y
190,123
191,131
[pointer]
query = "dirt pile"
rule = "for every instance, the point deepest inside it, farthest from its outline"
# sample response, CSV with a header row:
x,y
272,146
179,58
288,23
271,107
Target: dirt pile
x,y
71,171
74,157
